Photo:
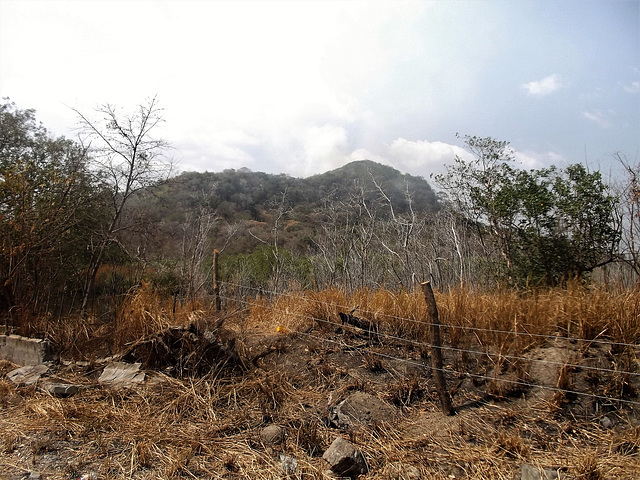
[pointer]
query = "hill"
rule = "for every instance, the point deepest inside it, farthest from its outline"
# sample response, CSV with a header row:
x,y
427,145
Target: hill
x,y
244,194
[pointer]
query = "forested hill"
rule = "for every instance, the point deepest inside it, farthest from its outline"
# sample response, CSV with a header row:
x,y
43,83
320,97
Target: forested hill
x,y
247,195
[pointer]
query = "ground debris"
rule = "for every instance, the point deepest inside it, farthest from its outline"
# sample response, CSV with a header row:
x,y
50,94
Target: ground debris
x,y
185,351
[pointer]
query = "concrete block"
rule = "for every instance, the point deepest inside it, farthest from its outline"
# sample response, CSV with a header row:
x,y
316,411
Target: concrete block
x,y
24,350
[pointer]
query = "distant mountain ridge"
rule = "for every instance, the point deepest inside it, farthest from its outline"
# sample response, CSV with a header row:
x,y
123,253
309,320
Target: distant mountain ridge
x,y
247,194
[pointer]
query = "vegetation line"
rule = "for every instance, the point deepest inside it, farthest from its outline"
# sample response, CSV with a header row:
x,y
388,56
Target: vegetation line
x,y
517,383
374,333
423,323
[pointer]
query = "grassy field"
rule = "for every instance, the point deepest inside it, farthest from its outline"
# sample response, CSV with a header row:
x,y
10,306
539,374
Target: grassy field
x,y
545,378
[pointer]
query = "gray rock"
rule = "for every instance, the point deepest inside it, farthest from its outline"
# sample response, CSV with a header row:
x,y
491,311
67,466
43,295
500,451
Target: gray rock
x,y
533,472
120,375
272,435
28,375
289,464
401,471
361,408
62,389
344,459
606,422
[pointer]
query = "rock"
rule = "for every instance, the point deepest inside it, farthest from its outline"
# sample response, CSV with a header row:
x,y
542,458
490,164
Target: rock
x,y
606,422
533,472
344,459
272,435
289,464
401,471
455,471
28,375
361,408
61,389
120,375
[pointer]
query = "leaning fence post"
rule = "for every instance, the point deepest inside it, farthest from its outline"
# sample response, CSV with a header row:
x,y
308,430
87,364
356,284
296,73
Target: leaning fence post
x,y
216,285
436,349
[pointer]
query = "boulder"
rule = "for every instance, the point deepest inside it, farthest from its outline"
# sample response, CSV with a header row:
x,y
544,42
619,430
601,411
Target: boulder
x,y
344,459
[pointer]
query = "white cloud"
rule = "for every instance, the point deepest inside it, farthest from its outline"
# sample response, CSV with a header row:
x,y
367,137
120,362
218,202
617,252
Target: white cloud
x,y
422,157
634,87
536,160
545,86
599,117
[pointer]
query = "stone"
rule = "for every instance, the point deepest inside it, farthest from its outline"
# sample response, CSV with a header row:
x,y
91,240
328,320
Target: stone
x,y
361,408
401,471
28,375
25,350
344,459
62,389
533,472
272,435
606,422
289,464
120,375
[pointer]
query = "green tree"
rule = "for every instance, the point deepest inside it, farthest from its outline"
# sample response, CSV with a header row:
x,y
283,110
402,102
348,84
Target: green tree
x,y
47,208
548,224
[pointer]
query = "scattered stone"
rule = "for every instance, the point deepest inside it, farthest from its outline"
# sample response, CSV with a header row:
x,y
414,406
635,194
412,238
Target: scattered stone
x,y
606,422
62,389
289,464
360,408
456,471
401,471
28,375
120,375
344,459
533,472
272,435
89,476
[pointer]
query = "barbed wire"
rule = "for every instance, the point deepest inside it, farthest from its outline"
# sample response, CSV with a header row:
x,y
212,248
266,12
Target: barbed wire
x,y
517,383
424,323
374,333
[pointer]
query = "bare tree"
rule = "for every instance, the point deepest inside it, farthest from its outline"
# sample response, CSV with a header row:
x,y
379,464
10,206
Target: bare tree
x,y
127,158
629,214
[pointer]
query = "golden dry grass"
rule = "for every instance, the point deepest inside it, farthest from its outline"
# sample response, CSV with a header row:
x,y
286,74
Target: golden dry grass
x,y
208,427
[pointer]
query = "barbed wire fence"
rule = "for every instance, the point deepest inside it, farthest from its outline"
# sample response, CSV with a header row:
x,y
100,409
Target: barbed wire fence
x,y
256,297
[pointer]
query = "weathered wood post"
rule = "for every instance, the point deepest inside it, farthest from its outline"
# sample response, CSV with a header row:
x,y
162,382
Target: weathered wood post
x,y
436,349
216,285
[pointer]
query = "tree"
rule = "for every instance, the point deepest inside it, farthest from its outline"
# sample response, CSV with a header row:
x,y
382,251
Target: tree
x,y
629,214
47,204
127,158
549,224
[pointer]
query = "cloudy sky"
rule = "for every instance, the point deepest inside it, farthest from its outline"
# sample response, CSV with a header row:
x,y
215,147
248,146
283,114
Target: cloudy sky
x,y
301,87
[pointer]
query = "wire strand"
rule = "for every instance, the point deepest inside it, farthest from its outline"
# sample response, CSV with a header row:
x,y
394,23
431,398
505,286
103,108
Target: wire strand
x,y
421,322
447,370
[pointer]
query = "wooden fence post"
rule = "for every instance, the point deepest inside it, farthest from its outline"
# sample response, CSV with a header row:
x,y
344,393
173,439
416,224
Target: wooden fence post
x,y
436,349
216,285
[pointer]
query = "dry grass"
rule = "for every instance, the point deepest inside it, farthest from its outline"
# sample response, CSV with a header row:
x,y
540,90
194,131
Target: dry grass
x,y
209,426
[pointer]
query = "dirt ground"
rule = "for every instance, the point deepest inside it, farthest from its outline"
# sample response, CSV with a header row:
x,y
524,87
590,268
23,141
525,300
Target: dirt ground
x,y
178,424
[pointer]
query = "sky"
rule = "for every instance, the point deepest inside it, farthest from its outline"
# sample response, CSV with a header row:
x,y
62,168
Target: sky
x,y
303,87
